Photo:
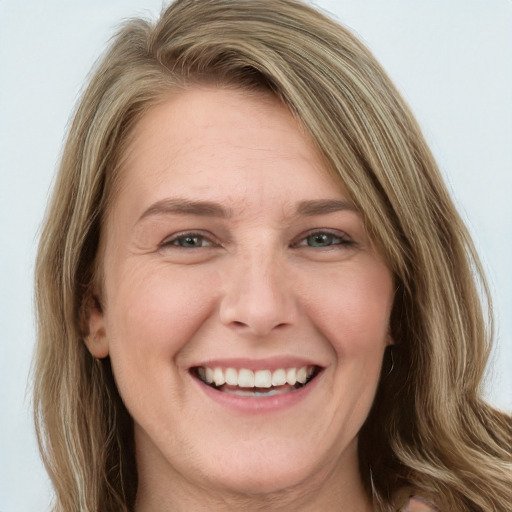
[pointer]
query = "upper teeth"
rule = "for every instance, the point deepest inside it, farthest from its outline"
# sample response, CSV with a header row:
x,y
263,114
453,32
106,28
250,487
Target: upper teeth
x,y
255,379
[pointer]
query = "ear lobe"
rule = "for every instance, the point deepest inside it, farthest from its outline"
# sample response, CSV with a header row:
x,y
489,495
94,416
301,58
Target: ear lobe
x,y
93,321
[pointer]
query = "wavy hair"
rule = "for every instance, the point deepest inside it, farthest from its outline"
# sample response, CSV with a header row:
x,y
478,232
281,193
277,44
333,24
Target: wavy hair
x,y
429,428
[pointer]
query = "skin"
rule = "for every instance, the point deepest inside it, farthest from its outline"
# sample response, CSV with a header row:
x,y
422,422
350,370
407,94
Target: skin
x,y
256,285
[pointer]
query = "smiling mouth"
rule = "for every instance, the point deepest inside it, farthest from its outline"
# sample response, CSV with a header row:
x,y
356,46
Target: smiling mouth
x,y
259,383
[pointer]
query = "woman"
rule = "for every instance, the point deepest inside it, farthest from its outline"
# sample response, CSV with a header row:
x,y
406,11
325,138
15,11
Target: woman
x,y
253,289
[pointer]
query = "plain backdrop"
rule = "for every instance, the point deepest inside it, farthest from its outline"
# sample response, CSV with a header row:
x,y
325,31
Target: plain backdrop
x,y
452,60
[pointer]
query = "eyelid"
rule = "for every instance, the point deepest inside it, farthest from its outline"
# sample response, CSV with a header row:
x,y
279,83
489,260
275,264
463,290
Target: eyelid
x,y
168,241
346,240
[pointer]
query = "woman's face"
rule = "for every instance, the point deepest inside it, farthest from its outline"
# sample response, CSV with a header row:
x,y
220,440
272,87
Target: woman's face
x,y
230,254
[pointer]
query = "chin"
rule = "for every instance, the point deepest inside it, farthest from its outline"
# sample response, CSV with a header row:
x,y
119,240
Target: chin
x,y
264,472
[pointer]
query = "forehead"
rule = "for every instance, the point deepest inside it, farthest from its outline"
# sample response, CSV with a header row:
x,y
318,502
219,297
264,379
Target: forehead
x,y
223,142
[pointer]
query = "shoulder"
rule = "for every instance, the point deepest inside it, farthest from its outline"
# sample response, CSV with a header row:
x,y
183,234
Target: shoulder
x,y
417,504
413,500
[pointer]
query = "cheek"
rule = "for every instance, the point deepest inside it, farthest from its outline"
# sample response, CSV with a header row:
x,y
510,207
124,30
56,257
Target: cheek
x,y
153,312
351,307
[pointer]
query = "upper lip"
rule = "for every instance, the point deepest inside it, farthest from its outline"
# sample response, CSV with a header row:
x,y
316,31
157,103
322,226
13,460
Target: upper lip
x,y
271,363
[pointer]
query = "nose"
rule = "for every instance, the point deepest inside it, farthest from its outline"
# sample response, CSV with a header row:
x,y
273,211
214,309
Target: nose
x,y
258,295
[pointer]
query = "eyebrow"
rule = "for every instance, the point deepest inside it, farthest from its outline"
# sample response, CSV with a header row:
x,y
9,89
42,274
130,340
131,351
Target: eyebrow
x,y
182,206
323,206
186,207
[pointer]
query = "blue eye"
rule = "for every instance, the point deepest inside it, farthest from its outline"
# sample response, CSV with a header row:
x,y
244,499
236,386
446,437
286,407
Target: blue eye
x,y
322,240
325,239
188,241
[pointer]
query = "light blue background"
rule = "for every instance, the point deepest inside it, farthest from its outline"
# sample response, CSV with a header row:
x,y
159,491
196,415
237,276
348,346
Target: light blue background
x,y
451,59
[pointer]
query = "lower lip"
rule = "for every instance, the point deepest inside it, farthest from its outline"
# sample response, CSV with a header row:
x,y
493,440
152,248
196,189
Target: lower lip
x,y
259,404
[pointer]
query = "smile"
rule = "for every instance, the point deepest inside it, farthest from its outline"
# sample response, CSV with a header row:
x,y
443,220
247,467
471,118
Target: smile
x,y
259,383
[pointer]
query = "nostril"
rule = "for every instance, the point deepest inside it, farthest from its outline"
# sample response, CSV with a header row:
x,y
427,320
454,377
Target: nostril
x,y
259,328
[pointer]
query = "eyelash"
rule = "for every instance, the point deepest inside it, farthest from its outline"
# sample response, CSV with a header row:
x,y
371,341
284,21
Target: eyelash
x,y
342,239
173,241
336,239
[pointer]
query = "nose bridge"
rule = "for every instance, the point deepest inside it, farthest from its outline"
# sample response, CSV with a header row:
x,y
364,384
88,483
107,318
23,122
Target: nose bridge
x,y
258,295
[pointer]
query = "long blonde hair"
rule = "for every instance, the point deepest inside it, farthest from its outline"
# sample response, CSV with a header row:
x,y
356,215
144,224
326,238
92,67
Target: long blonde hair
x,y
429,428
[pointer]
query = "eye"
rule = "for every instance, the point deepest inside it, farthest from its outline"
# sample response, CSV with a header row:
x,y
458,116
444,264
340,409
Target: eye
x,y
187,241
324,239
321,240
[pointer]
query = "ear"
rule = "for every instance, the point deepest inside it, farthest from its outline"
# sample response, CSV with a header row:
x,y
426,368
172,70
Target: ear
x,y
93,325
389,339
